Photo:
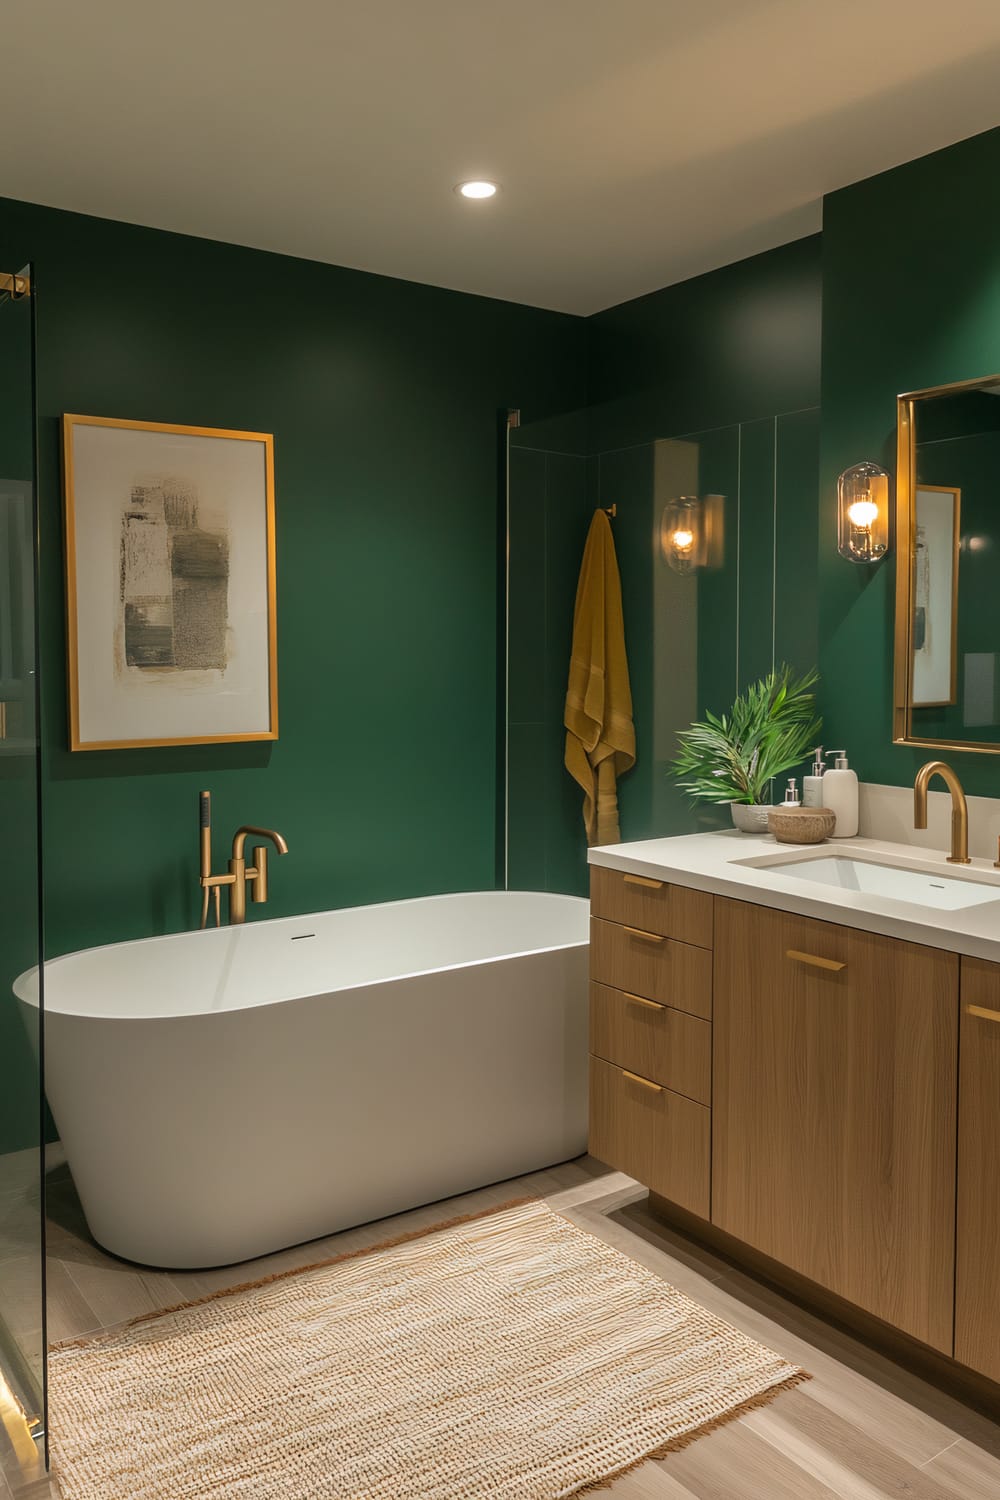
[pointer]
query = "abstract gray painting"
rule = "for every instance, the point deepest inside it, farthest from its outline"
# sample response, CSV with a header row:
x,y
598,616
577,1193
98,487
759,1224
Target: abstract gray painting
x,y
174,580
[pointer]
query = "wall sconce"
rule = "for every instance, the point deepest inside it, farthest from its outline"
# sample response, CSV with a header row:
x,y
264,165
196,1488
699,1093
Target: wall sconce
x,y
681,533
863,513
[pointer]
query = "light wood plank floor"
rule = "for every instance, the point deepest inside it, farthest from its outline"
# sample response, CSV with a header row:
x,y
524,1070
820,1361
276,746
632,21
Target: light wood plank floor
x,y
862,1429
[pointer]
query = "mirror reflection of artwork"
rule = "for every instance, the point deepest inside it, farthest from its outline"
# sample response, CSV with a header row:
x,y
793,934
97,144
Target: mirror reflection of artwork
x,y
946,668
170,584
935,597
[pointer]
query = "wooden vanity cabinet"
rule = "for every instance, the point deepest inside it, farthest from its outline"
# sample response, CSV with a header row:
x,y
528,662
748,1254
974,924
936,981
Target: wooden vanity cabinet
x,y
651,1034
834,1109
977,1268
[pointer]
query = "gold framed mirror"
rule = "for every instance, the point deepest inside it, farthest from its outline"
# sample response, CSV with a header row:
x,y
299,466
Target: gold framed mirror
x,y
946,670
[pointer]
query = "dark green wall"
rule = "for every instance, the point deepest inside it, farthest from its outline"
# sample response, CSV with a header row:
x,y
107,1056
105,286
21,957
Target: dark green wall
x,y
730,346
911,298
383,398
724,352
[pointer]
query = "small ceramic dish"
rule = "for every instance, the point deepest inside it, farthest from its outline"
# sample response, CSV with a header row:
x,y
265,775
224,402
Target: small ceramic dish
x,y
801,825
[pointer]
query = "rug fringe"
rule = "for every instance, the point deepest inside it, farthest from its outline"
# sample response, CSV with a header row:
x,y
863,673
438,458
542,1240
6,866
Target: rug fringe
x,y
102,1335
685,1439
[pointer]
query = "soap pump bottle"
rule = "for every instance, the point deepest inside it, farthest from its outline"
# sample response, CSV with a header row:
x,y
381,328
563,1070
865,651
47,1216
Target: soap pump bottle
x,y
840,795
812,785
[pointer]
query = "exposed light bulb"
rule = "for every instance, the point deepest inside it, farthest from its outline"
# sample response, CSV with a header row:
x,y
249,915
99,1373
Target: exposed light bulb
x,y
862,514
477,189
682,540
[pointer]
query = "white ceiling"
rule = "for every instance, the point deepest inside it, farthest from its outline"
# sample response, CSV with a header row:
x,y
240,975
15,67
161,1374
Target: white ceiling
x,y
638,141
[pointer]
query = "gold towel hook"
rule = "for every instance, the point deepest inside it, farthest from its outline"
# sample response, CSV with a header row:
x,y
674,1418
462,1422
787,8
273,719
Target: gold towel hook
x,y
610,510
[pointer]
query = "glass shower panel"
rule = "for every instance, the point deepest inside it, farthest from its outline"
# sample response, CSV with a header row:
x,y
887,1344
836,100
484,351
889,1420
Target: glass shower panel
x,y
695,636
549,508
22,1301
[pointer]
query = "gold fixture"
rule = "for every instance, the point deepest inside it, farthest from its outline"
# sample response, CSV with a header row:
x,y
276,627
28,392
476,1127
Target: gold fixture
x,y
652,885
814,960
863,513
240,874
959,808
641,1000
982,1012
647,1083
15,286
647,937
996,862
610,511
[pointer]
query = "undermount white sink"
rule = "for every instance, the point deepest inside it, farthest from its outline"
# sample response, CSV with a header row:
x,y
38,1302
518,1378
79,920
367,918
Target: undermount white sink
x,y
923,887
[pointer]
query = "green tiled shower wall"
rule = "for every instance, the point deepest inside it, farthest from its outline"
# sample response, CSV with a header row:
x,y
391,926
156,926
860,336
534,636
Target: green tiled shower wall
x,y
691,640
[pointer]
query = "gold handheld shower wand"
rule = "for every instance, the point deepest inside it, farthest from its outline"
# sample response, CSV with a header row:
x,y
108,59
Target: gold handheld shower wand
x,y
240,875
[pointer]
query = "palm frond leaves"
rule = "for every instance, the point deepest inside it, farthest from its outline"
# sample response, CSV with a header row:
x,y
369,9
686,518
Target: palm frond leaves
x,y
770,728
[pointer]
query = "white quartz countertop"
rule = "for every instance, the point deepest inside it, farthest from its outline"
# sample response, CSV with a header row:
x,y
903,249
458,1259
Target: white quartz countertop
x,y
727,864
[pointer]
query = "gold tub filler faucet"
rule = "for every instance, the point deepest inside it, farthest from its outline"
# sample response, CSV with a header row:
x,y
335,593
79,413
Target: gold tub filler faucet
x,y
240,875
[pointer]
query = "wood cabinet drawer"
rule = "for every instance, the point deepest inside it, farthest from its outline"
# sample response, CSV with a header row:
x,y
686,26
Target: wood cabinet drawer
x,y
646,963
977,1268
653,905
669,1046
659,1137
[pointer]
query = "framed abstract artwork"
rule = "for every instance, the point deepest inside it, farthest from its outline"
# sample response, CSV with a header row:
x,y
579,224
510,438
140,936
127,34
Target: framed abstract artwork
x,y
937,535
170,584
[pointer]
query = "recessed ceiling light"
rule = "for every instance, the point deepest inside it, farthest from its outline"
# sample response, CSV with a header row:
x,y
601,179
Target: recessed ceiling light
x,y
478,189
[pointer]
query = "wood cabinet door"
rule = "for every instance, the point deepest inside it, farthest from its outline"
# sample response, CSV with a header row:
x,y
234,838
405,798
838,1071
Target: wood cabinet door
x,y
977,1270
834,1133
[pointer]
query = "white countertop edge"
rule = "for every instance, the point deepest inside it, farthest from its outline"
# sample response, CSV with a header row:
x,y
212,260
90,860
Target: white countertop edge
x,y
706,862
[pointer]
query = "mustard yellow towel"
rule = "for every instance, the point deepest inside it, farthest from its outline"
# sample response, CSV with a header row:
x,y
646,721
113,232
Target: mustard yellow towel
x,y
600,737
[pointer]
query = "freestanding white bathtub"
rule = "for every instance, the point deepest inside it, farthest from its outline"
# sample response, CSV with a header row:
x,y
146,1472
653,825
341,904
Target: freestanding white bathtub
x,y
224,1094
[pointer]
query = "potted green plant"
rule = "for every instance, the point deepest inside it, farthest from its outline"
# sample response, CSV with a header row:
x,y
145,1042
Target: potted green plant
x,y
734,757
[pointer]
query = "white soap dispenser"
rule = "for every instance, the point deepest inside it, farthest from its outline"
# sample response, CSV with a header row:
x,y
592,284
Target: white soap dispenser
x,y
812,785
840,795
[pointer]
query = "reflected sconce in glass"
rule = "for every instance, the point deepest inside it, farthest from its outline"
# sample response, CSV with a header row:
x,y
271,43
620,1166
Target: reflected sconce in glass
x,y
681,533
863,513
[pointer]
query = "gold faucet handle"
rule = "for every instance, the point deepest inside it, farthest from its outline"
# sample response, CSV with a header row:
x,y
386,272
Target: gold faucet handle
x,y
996,862
258,875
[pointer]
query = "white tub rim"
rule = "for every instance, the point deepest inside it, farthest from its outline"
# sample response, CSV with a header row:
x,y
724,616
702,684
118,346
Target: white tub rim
x,y
25,986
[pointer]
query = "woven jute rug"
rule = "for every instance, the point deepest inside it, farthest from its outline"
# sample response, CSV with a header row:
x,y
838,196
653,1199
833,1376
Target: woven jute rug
x,y
508,1357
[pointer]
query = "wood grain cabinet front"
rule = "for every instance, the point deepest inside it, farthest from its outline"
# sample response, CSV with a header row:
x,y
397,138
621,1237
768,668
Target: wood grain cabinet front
x,y
652,905
977,1267
661,1138
834,1109
649,1038
642,962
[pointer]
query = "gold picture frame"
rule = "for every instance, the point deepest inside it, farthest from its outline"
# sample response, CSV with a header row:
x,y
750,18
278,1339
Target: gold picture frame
x,y
171,596
908,406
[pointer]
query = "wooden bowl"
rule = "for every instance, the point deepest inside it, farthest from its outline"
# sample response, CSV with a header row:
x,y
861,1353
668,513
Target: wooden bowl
x,y
801,825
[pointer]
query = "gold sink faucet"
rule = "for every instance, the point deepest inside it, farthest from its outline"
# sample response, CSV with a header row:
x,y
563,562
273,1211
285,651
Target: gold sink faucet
x,y
959,808
240,875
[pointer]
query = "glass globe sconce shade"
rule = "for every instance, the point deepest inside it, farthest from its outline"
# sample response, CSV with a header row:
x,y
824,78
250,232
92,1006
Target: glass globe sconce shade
x,y
863,513
681,533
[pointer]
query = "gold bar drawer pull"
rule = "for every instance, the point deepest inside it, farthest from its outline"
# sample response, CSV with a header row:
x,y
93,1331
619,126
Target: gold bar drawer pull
x,y
982,1012
813,959
634,1078
647,937
651,885
655,1004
